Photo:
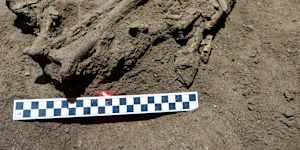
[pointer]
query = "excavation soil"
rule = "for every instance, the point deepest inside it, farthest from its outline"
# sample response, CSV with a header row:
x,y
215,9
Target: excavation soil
x,y
250,87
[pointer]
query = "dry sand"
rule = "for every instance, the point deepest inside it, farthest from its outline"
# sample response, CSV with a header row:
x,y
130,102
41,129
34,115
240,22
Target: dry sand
x,y
250,90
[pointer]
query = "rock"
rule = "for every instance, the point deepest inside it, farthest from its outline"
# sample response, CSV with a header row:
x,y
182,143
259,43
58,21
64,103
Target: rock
x,y
250,106
26,73
289,96
287,112
66,130
186,76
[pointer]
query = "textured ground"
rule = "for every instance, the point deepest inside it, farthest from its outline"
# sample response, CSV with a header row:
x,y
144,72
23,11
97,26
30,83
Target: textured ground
x,y
250,90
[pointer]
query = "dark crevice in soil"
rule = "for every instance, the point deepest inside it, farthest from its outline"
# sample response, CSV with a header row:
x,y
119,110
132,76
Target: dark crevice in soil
x,y
42,60
75,87
143,2
25,24
56,25
72,88
43,79
159,40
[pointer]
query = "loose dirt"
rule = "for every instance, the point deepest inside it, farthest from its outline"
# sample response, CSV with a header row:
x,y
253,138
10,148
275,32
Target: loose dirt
x,y
243,57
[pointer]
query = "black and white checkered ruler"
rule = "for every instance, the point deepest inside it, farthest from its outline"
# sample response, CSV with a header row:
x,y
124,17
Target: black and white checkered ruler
x,y
29,109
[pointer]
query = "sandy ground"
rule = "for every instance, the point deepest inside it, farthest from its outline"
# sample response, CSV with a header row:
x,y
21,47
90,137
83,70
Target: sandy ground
x,y
250,91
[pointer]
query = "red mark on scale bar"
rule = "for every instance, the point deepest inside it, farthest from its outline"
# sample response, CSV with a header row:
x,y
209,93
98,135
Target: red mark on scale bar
x,y
104,93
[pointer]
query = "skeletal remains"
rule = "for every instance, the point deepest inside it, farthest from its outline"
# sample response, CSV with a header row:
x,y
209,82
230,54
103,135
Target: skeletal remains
x,y
98,48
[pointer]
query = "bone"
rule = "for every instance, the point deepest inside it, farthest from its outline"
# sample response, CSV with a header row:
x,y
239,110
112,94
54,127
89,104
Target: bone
x,y
96,48
206,51
68,56
91,20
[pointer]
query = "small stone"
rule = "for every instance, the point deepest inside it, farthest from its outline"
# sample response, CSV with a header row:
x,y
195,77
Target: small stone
x,y
288,96
256,62
56,125
288,112
248,28
253,54
289,123
215,106
120,147
66,130
27,73
250,107
19,30
186,76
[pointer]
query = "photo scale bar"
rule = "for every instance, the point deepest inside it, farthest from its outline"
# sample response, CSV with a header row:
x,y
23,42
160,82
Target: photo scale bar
x,y
31,109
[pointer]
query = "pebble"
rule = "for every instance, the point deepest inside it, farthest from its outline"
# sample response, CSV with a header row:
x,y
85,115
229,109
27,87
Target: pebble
x,y
56,125
27,73
250,108
288,112
66,130
248,27
288,96
19,30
